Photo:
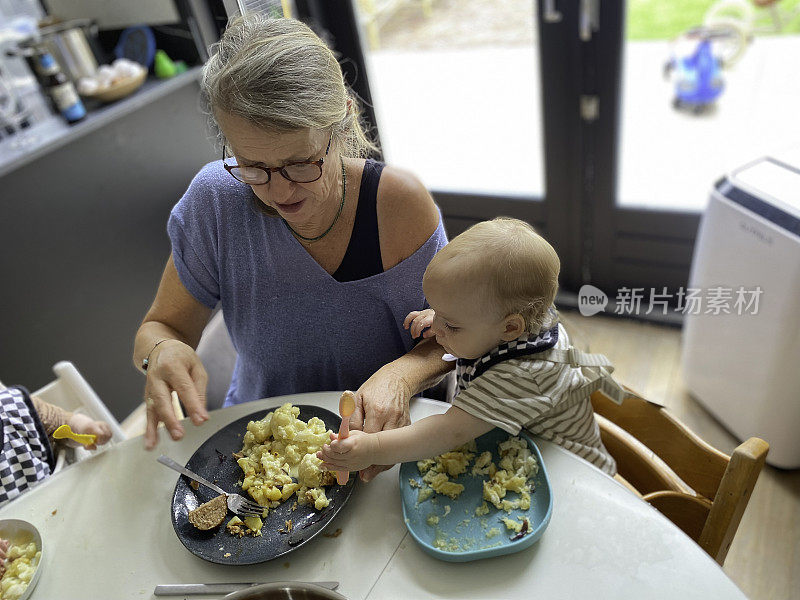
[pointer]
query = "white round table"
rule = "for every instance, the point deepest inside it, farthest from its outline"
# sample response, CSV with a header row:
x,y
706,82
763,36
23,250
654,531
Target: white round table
x,y
107,533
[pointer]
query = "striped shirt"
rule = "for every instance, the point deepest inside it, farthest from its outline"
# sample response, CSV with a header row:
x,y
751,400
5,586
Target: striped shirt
x,y
513,390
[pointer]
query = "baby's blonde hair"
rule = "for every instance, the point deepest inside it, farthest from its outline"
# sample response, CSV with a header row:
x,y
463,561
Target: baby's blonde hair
x,y
517,267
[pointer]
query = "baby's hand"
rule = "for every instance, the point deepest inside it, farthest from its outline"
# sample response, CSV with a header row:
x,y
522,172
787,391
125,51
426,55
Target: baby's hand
x,y
353,453
4,544
80,423
420,322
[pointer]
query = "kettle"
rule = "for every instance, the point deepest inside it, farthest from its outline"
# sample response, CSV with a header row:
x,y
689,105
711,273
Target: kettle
x,y
67,42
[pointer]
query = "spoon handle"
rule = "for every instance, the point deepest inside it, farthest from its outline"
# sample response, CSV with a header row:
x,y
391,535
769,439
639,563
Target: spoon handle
x,y
344,430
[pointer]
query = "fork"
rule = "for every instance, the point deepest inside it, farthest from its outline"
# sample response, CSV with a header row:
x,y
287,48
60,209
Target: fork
x,y
237,503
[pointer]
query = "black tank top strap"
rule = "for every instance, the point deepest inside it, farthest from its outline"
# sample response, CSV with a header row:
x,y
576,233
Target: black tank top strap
x,y
363,256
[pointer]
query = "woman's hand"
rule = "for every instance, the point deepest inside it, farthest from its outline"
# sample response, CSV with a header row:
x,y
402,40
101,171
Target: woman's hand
x,y
420,322
381,404
173,365
80,423
353,453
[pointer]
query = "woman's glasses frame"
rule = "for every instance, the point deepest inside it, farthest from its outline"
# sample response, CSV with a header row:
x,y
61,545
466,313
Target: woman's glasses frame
x,y
282,170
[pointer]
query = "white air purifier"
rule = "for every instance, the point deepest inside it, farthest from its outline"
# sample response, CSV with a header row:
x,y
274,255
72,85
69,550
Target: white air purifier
x,y
745,368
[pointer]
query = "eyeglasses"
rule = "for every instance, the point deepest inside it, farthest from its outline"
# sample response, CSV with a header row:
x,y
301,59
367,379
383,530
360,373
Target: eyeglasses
x,y
304,171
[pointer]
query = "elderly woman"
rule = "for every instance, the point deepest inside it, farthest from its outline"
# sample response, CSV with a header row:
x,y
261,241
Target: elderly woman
x,y
315,254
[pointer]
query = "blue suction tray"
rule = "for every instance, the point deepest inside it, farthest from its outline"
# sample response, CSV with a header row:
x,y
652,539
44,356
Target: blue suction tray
x,y
463,533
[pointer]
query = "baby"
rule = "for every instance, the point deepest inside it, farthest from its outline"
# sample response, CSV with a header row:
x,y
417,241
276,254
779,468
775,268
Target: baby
x,y
27,424
491,292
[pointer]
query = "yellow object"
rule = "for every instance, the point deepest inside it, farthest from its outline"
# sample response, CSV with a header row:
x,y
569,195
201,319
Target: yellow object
x,y
21,563
347,404
64,432
277,449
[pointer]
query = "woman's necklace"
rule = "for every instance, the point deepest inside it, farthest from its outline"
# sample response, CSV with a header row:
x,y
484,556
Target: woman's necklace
x,y
336,218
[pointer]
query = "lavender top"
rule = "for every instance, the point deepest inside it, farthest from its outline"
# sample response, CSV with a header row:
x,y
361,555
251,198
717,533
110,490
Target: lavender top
x,y
295,328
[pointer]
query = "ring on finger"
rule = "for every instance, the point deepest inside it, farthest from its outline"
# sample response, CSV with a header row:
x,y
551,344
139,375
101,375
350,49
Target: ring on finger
x,y
149,402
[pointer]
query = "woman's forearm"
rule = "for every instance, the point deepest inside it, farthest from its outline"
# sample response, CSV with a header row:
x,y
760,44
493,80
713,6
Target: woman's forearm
x,y
422,366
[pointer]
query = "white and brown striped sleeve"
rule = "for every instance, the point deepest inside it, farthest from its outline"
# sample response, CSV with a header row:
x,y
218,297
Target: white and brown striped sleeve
x,y
504,398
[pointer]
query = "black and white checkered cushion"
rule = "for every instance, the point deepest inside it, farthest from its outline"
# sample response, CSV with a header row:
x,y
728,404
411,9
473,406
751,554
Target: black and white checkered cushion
x,y
27,457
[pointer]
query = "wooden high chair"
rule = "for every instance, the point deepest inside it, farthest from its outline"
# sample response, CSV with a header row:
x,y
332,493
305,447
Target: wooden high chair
x,y
697,487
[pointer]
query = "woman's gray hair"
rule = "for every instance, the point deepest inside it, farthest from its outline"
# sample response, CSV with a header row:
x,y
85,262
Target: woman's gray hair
x,y
280,76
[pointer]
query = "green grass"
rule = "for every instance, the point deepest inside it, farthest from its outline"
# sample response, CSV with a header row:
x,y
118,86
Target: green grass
x,y
666,19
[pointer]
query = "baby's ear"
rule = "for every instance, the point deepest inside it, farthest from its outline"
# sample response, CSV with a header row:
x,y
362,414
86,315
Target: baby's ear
x,y
514,327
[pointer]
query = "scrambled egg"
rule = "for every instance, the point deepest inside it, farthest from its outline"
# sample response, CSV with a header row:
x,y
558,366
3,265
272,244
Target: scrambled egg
x,y
279,460
424,494
512,525
483,509
436,472
21,565
512,473
517,464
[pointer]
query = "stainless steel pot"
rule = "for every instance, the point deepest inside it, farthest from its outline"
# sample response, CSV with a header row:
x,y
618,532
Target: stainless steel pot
x,y
285,590
68,44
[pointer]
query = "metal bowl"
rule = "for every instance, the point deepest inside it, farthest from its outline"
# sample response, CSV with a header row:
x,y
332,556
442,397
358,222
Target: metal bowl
x,y
285,590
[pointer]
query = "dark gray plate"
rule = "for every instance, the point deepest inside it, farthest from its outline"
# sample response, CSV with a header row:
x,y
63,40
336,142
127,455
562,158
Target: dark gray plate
x,y
213,460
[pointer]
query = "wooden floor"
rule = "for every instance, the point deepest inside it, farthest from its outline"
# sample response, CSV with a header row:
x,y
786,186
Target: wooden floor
x,y
764,559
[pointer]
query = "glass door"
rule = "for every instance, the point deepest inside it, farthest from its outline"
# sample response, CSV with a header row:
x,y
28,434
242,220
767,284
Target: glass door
x,y
455,88
474,97
688,90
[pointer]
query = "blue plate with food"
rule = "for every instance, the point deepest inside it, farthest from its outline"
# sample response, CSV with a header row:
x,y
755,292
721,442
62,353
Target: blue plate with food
x,y
484,499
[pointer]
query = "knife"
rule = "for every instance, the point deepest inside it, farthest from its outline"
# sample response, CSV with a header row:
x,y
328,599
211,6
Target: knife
x,y
197,589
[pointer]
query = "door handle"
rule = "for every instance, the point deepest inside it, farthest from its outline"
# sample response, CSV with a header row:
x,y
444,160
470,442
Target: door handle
x,y
589,19
551,14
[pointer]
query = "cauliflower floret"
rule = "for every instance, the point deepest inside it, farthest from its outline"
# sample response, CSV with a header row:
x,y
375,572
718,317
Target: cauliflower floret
x,y
315,496
308,471
423,466
482,464
493,492
254,524
483,509
442,485
21,563
424,494
279,446
454,463
512,525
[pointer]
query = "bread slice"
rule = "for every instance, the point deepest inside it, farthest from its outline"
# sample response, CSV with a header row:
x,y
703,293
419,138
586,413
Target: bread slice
x,y
210,514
